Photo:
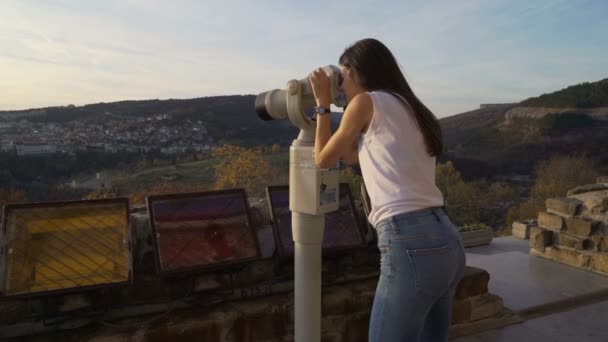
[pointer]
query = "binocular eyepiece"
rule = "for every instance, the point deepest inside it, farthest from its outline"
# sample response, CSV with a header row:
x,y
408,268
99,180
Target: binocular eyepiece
x,y
296,97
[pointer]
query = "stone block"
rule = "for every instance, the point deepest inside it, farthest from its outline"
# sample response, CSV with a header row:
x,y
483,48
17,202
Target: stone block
x,y
473,283
261,328
599,243
202,330
569,256
571,241
540,238
485,307
602,179
599,263
521,232
13,312
521,229
597,203
461,311
476,308
336,303
536,252
550,221
579,226
563,206
588,188
356,327
337,337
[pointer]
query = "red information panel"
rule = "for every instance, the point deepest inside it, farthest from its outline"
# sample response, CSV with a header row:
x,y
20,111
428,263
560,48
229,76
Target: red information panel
x,y
201,231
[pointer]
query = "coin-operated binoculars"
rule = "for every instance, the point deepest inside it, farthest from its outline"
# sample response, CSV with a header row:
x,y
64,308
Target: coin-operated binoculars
x,y
313,192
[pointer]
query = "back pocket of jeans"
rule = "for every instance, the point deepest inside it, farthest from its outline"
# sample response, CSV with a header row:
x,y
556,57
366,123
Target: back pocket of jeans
x,y
433,270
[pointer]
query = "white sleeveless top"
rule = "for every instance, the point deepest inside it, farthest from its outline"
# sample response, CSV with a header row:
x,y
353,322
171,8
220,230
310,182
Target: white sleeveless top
x,y
398,172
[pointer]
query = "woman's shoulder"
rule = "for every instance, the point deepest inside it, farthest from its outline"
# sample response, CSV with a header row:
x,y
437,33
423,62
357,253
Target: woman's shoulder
x,y
384,97
363,102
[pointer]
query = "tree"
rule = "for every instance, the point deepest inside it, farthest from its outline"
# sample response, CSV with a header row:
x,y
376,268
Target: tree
x,y
473,202
139,196
102,192
446,175
240,167
461,198
353,180
554,178
275,148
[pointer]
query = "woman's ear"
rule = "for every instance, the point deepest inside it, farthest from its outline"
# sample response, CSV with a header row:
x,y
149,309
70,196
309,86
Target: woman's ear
x,y
355,77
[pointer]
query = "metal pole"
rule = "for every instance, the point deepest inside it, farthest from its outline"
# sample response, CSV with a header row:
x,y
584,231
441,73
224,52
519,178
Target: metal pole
x,y
307,231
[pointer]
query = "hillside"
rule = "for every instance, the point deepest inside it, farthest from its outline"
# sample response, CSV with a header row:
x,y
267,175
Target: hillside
x,y
584,95
229,119
511,139
491,141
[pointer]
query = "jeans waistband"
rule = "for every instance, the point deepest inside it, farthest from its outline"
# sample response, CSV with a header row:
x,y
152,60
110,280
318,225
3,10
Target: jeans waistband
x,y
427,215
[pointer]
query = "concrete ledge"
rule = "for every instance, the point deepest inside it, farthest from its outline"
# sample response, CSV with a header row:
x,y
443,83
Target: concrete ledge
x,y
477,237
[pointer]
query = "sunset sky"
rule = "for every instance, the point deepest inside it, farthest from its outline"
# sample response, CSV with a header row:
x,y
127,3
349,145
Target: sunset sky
x,y
455,54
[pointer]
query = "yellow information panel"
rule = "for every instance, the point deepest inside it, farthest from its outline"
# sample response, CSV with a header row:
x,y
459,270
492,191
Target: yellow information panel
x,y
62,246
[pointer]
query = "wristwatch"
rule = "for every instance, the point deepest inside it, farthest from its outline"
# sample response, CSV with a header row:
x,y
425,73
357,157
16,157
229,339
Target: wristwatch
x,y
322,110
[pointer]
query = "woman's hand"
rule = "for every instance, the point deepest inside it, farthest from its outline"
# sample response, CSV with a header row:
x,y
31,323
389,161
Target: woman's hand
x,y
320,87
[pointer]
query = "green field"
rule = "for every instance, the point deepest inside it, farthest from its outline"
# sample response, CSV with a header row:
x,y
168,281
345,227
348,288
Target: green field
x,y
193,173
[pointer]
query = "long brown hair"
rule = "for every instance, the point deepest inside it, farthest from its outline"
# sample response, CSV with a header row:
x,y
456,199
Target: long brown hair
x,y
377,69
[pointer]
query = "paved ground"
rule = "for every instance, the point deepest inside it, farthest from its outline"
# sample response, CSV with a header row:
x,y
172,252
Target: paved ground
x,y
584,324
525,281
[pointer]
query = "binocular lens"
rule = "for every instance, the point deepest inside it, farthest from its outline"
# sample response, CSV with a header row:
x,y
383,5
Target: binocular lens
x,y
260,107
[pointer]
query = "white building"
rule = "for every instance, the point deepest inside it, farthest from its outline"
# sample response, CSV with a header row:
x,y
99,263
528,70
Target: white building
x,y
31,149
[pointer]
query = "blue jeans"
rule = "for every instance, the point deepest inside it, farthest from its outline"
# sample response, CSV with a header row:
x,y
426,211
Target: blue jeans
x,y
421,263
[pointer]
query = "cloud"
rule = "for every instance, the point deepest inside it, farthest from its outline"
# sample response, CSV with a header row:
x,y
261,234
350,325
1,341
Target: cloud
x,y
455,54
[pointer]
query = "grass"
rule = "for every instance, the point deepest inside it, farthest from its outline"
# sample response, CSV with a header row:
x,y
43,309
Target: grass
x,y
191,173
472,227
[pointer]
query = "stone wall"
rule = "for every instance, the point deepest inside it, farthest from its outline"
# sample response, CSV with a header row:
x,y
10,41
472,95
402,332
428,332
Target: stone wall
x,y
253,303
574,229
521,229
345,308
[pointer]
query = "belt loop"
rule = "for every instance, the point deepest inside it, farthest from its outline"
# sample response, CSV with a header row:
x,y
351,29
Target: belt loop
x,y
437,212
393,224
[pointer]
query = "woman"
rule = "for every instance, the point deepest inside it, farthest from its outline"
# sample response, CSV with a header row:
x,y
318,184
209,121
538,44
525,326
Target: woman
x,y
396,139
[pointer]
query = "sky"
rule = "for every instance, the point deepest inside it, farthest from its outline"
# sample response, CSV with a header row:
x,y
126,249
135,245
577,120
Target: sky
x,y
454,54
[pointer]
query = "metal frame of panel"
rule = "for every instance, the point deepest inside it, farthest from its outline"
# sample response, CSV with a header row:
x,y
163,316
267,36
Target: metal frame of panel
x,y
6,249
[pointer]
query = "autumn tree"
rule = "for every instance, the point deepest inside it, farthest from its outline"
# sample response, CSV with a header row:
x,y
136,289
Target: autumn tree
x,y
553,178
275,148
240,167
556,176
102,192
164,187
473,202
348,175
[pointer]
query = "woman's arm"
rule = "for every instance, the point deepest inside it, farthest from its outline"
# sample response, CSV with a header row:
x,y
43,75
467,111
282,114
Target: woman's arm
x,y
351,157
329,149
